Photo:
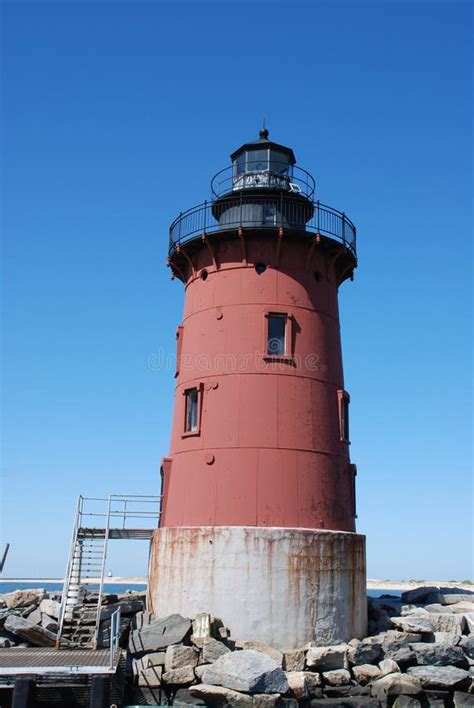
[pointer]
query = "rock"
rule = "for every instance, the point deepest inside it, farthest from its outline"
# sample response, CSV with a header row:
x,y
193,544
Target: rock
x,y
183,697
467,645
178,655
388,666
406,702
447,622
404,657
38,636
35,617
23,598
438,654
212,650
141,619
264,648
298,684
184,676
327,658
443,638
156,658
349,702
206,626
395,685
463,700
364,654
418,595
48,623
415,623
346,691
314,682
337,677
247,670
444,677
159,634
407,610
452,598
265,700
150,677
437,699
365,673
469,620
199,670
294,660
220,696
50,608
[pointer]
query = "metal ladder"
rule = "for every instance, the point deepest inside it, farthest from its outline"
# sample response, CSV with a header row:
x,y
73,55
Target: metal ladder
x,y
79,619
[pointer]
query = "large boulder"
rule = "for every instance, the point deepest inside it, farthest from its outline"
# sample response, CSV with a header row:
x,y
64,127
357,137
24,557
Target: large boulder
x,y
365,673
438,654
159,634
23,598
32,633
220,696
184,676
212,649
364,654
448,622
467,645
150,677
418,595
294,659
52,608
177,656
443,677
418,623
247,670
337,677
327,658
276,654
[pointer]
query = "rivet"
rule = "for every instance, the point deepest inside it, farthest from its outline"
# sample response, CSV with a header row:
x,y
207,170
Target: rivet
x,y
209,458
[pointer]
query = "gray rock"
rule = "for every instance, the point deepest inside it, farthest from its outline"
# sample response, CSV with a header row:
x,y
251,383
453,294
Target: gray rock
x,y
327,658
150,677
469,622
314,682
365,673
177,656
395,685
247,670
35,635
220,696
444,677
415,623
206,626
50,608
336,677
47,623
35,617
184,676
265,700
156,658
298,684
418,594
364,654
294,659
388,666
467,645
404,657
406,702
23,598
212,649
275,654
183,697
159,634
348,702
463,700
438,654
447,622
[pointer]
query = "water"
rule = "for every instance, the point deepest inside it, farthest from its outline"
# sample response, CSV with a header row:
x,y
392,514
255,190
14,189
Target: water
x,y
113,589
10,586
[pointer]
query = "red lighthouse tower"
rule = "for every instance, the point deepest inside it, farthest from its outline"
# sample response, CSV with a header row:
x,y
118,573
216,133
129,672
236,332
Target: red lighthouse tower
x,y
258,521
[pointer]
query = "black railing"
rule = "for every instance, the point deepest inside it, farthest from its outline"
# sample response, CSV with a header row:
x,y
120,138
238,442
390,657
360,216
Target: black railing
x,y
266,175
262,213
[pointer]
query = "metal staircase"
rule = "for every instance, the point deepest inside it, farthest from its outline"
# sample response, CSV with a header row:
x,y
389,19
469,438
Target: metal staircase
x,y
97,521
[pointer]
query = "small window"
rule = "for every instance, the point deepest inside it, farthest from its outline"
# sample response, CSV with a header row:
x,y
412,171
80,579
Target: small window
x,y
344,399
191,414
276,340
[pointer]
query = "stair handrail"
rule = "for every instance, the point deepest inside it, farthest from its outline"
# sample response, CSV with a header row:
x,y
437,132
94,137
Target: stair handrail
x,y
67,577
114,636
102,572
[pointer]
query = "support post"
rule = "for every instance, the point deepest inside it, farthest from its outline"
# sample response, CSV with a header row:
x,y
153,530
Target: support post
x,y
100,692
24,693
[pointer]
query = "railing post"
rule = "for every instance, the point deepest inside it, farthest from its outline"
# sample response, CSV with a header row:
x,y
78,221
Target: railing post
x,y
240,210
317,212
343,227
180,222
205,216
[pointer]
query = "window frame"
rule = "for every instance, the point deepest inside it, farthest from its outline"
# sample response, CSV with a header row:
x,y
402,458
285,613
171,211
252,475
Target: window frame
x,y
343,405
288,348
198,388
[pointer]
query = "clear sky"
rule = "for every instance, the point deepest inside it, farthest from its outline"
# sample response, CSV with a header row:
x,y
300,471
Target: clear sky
x,y
115,117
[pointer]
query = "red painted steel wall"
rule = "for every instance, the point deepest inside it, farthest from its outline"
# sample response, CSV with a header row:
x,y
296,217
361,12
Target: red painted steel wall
x,y
269,451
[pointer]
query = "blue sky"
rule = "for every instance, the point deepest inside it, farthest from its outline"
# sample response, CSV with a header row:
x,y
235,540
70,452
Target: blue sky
x,y
115,117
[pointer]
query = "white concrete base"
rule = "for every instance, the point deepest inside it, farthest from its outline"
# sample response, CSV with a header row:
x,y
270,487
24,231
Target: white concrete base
x,y
281,586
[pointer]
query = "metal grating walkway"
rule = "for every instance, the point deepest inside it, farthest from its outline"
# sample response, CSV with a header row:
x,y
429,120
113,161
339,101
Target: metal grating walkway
x,y
47,660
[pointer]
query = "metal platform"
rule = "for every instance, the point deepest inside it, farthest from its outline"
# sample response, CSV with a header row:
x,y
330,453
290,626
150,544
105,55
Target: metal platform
x,y
46,660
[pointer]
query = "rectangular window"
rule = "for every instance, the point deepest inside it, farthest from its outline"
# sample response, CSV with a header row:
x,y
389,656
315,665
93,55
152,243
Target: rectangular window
x,y
276,339
191,410
344,399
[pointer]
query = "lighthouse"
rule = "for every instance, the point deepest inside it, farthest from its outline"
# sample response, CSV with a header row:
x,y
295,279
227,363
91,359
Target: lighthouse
x,y
259,501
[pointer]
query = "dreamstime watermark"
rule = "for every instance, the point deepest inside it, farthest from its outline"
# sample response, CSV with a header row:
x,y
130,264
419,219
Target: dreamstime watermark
x,y
234,363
